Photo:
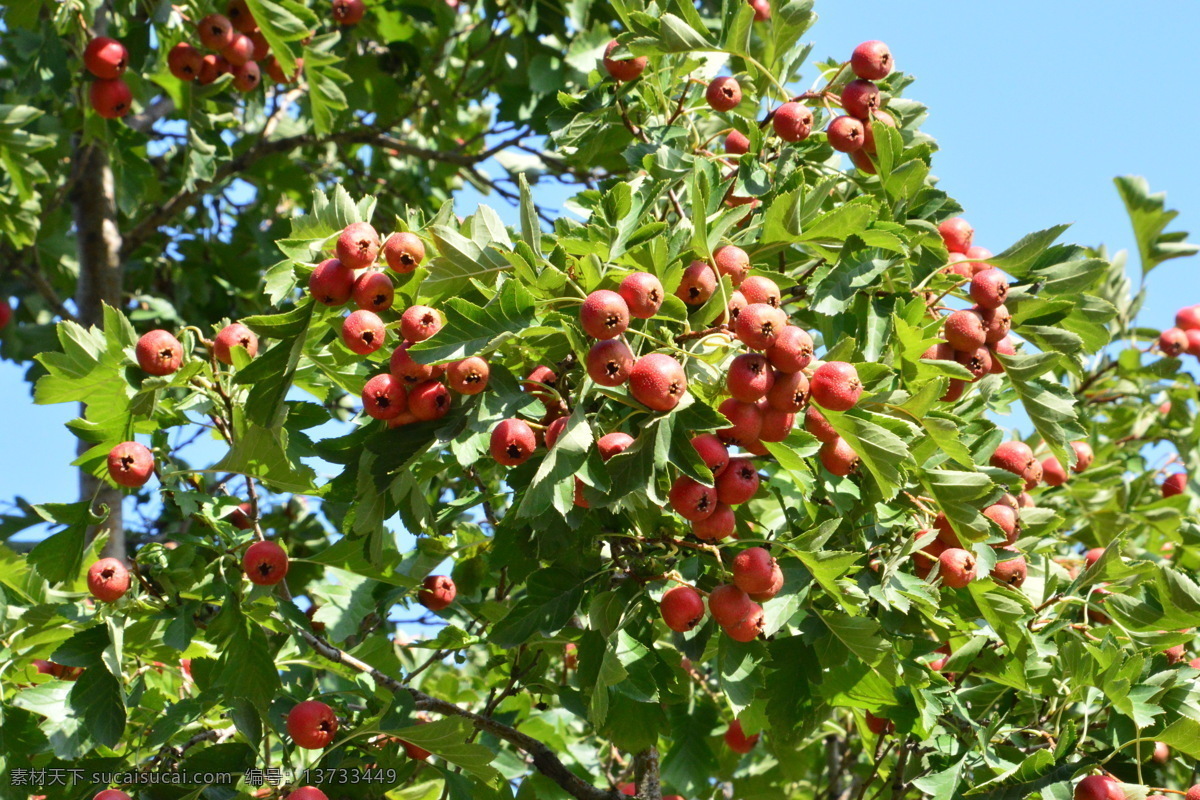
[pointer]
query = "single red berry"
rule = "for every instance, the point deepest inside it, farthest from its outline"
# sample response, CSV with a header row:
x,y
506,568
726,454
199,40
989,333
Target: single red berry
x,y
532,384
130,464
862,160
240,517
745,421
240,17
212,66
612,443
609,362
1011,572
733,261
554,430
1015,457
738,483
306,793
924,559
1083,456
1188,318
311,724
348,12
403,252
835,386
753,570
792,122
437,592
159,353
776,425
737,741
110,99
1193,343
512,442
429,401
247,77
759,324
1053,472
414,752
1174,484
692,500
363,332
860,98
239,50
682,609
216,31
1005,518
658,381
331,282
957,567
846,134
736,143
757,289
1173,342
604,315
762,10
749,627
989,288
274,69
357,245
111,794
265,563
419,323
698,283
468,376
624,69
1101,787
407,371
792,350
997,322
978,361
816,424
838,457
879,725
108,580
718,525
373,291
712,452
723,94
788,394
231,336
964,330
957,234
105,58
643,294
871,60
728,604
773,588
384,397
737,302
750,377
185,62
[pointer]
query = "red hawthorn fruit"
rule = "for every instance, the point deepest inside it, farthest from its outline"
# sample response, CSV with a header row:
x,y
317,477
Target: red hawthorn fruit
x,y
1188,318
604,315
732,260
964,330
838,457
792,122
407,371
429,401
1162,754
1193,343
374,291
215,31
159,353
111,99
759,289
240,17
957,567
879,725
1174,484
816,424
846,134
624,69
997,322
762,10
869,147
736,143
978,361
1015,457
749,627
723,94
736,739
413,751
349,12
312,725
331,282
657,381
240,517
776,425
773,589
239,50
728,604
835,386
753,570
718,525
698,283
924,558
957,234
554,430
403,252
512,442
989,288
108,580
1173,342
265,563
682,609
788,393
468,376
185,62
363,332
105,58
1053,472
231,336
130,464
107,794
1005,517
758,325
1083,456
1100,787
750,377
419,323
612,443
357,245
737,302
437,592
384,397
212,66
307,793
737,483
745,419
643,294
712,452
541,375
792,350
692,500
1011,572
872,60
860,98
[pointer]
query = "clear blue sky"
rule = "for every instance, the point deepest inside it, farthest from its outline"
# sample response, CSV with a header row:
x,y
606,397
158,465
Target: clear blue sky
x,y
1037,105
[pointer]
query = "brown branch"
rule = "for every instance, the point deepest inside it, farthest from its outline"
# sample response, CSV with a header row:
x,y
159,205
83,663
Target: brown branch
x,y
645,771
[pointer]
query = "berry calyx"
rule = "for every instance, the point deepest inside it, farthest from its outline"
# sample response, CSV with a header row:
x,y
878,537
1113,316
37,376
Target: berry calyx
x,y
657,381
835,386
429,401
363,332
846,134
604,315
312,725
691,499
643,294
384,397
348,12
957,567
468,376
111,99
403,252
698,283
872,60
357,245
956,234
105,58
265,563
723,94
108,580
624,69
373,291
682,608
437,592
419,323
231,336
792,122
130,464
159,353
512,442
215,31
609,362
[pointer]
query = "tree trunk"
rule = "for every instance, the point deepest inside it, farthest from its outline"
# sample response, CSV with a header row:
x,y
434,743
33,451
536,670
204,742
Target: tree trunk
x,y
645,771
98,242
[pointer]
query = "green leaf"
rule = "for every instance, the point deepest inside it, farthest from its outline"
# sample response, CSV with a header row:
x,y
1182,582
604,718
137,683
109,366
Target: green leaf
x,y
460,262
552,596
247,665
95,700
1017,259
471,330
448,738
1150,217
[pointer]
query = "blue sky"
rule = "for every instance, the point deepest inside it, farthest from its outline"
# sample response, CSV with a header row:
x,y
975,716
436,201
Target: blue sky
x,y
1036,107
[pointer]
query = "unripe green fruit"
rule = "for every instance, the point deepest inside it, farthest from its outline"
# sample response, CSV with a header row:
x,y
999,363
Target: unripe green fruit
x,y
692,500
512,442
437,592
312,725
723,94
792,122
384,397
265,563
682,609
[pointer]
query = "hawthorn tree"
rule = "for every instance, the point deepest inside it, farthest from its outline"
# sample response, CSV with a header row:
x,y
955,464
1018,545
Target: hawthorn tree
x,y
754,478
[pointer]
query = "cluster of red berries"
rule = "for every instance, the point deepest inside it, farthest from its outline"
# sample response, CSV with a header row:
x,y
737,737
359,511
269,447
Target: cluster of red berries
x,y
1185,336
107,59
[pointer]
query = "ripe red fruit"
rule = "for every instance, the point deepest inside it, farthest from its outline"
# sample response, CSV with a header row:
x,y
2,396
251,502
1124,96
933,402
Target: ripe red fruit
x,y
612,443
682,608
757,289
540,375
773,589
239,50
957,234
737,302
745,419
792,122
1188,318
240,17
159,353
879,725
924,558
750,377
331,282
624,69
384,397
846,134
753,570
758,325
1016,457
996,323
429,401
749,627
1083,456
738,482
698,283
1173,342
185,62
374,291
718,525
108,580
816,424
989,288
978,361
723,94
1004,347
348,12
957,264
1193,343
247,77
307,793
788,394
111,794
265,563
110,99
311,724
1053,472
407,371
955,388
403,252
609,362
657,381
1174,484
862,160
604,315
871,60
762,10
860,98
1099,787
363,332
733,261
1192,793
413,751
712,452
964,330
419,323
357,245
776,425
957,567
468,376
130,464
212,66
234,335
736,143
1011,572
643,294
275,70
692,500
1005,517
835,386
437,592
728,604
512,442
838,457
216,31
881,117
105,58
240,517
737,741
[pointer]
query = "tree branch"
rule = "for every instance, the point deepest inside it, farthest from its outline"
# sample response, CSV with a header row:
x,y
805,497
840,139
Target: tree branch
x,y
645,772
